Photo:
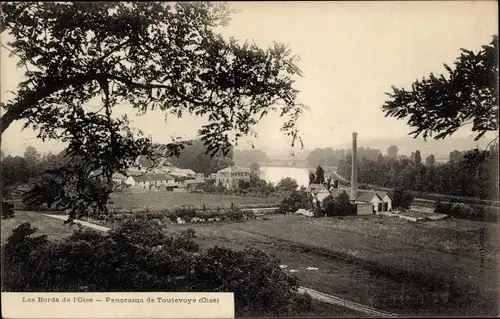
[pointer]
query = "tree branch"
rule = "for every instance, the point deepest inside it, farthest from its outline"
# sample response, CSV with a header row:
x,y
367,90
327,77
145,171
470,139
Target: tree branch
x,y
150,86
31,99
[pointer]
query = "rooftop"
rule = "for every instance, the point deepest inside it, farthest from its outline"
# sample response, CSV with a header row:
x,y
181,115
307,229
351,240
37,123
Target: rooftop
x,y
151,177
234,168
366,196
194,181
312,188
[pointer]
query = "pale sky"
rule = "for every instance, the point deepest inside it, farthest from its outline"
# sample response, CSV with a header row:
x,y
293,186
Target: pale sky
x,y
351,53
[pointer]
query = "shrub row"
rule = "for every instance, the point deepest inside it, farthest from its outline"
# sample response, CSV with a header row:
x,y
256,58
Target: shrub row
x,y
459,210
21,206
186,214
139,257
439,197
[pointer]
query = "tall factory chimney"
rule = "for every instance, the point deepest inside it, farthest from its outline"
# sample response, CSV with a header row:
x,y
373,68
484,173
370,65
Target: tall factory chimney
x,y
354,169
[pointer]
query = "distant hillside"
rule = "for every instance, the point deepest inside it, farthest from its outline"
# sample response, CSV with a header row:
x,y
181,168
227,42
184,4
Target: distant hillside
x,y
249,156
407,145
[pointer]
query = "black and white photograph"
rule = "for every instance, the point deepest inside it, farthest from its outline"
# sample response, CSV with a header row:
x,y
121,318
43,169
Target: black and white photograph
x,y
315,159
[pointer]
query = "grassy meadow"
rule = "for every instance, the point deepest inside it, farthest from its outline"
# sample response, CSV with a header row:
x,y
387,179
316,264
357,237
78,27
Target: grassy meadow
x,y
53,228
390,264
394,265
162,200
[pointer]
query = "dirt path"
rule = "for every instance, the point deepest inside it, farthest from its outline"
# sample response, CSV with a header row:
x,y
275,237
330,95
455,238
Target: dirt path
x,y
327,298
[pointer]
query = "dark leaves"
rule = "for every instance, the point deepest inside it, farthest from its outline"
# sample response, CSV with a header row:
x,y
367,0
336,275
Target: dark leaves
x,y
149,55
438,106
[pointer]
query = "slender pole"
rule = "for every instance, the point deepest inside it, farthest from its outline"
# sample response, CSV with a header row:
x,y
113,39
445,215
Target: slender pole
x,y
354,168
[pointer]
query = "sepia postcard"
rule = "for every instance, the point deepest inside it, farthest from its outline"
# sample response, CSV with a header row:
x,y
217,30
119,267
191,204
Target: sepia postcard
x,y
249,159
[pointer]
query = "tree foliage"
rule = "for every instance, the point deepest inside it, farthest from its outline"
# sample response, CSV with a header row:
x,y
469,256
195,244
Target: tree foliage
x,y
194,156
320,175
392,151
416,157
330,157
312,178
438,106
402,199
139,257
249,156
430,160
255,167
7,210
339,206
469,174
287,185
294,201
150,55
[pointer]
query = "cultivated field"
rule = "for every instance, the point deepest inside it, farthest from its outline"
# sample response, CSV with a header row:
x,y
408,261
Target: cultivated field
x,y
162,200
53,228
408,268
446,267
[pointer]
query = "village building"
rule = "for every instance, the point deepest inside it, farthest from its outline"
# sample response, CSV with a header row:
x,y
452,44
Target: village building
x,y
116,177
200,176
182,188
181,172
150,180
320,193
231,176
192,184
313,188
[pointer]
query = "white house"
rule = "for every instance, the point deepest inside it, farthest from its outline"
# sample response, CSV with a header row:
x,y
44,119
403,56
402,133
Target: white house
x,y
118,178
381,201
230,177
387,201
150,180
192,184
369,197
320,194
313,188
181,172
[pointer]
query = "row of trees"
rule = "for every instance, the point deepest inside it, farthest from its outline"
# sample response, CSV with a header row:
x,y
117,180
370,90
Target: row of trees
x,y
330,157
18,170
23,169
194,156
255,186
471,174
164,56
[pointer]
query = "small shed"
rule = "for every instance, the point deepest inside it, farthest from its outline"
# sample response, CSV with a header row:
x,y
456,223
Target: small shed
x,y
364,209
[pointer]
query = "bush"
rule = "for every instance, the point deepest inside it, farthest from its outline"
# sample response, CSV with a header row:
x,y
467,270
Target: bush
x,y
402,198
185,213
301,303
235,214
7,210
138,257
458,210
293,202
340,206
259,284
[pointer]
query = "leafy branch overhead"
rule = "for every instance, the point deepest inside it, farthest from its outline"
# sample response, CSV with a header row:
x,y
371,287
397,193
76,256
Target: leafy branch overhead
x,y
151,55
438,106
